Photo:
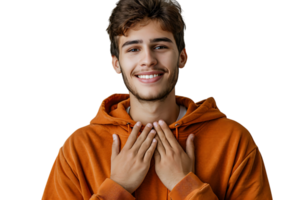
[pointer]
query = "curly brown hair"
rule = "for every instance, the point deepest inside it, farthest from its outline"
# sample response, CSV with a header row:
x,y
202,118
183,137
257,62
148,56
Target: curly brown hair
x,y
127,13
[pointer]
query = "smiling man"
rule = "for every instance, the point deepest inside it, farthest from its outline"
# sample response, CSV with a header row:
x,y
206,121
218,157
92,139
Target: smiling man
x,y
149,61
151,143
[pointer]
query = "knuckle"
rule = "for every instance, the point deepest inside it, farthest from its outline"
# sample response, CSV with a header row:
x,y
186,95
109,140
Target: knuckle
x,y
131,154
150,139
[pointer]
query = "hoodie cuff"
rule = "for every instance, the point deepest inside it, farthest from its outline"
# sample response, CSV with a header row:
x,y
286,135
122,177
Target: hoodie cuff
x,y
186,186
111,190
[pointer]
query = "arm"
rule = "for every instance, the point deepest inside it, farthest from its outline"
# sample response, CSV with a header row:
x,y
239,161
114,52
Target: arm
x,y
63,184
248,181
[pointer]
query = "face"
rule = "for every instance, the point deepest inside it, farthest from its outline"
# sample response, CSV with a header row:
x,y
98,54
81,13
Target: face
x,y
149,61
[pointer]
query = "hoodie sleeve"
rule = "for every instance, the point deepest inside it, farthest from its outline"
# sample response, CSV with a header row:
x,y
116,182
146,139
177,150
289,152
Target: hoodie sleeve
x,y
192,188
111,190
249,181
63,184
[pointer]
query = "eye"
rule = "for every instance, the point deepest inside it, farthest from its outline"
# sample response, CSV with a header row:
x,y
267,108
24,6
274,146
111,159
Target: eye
x,y
130,50
164,47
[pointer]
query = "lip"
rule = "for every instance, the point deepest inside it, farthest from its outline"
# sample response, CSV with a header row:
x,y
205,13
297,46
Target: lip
x,y
150,80
150,73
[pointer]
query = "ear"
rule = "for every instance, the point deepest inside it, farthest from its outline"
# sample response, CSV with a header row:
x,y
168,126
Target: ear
x,y
116,64
182,58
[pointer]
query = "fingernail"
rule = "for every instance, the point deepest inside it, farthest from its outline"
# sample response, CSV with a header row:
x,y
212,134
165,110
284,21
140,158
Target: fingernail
x,y
138,124
149,125
155,124
114,137
192,137
160,122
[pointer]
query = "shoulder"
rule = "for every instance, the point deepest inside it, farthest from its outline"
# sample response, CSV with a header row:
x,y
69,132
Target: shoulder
x,y
234,129
85,134
230,124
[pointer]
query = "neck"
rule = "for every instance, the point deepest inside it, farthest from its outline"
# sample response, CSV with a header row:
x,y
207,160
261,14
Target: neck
x,y
167,111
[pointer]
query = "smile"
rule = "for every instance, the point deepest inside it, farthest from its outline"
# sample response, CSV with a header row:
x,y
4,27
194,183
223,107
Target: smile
x,y
149,78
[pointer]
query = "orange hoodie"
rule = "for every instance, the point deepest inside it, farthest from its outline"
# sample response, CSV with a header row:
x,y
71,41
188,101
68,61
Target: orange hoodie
x,y
228,164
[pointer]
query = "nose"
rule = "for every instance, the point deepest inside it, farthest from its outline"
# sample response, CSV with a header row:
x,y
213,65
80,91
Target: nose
x,y
148,58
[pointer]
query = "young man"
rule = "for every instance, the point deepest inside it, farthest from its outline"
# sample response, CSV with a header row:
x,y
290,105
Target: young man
x,y
151,99
166,146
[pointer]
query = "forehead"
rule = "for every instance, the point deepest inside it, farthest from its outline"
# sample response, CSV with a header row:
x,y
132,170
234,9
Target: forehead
x,y
145,30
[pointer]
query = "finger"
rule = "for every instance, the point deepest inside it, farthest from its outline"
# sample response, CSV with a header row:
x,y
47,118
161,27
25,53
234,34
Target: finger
x,y
190,147
170,138
160,147
145,145
162,137
115,147
149,153
143,137
133,135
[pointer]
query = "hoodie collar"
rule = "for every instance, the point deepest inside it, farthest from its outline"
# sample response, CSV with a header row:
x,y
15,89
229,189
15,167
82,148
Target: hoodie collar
x,y
113,111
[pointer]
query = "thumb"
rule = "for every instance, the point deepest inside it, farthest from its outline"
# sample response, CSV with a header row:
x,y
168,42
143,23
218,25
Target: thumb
x,y
190,147
115,146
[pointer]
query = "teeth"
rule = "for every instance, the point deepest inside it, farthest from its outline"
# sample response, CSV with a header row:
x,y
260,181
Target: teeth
x,y
148,76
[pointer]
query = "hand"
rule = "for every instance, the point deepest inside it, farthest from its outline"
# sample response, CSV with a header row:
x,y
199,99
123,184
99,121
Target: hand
x,y
172,164
129,168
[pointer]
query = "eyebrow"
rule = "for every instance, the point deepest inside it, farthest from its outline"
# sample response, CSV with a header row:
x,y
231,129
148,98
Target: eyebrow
x,y
163,39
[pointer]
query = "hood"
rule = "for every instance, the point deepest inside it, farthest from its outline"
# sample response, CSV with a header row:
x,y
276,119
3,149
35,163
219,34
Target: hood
x,y
113,111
